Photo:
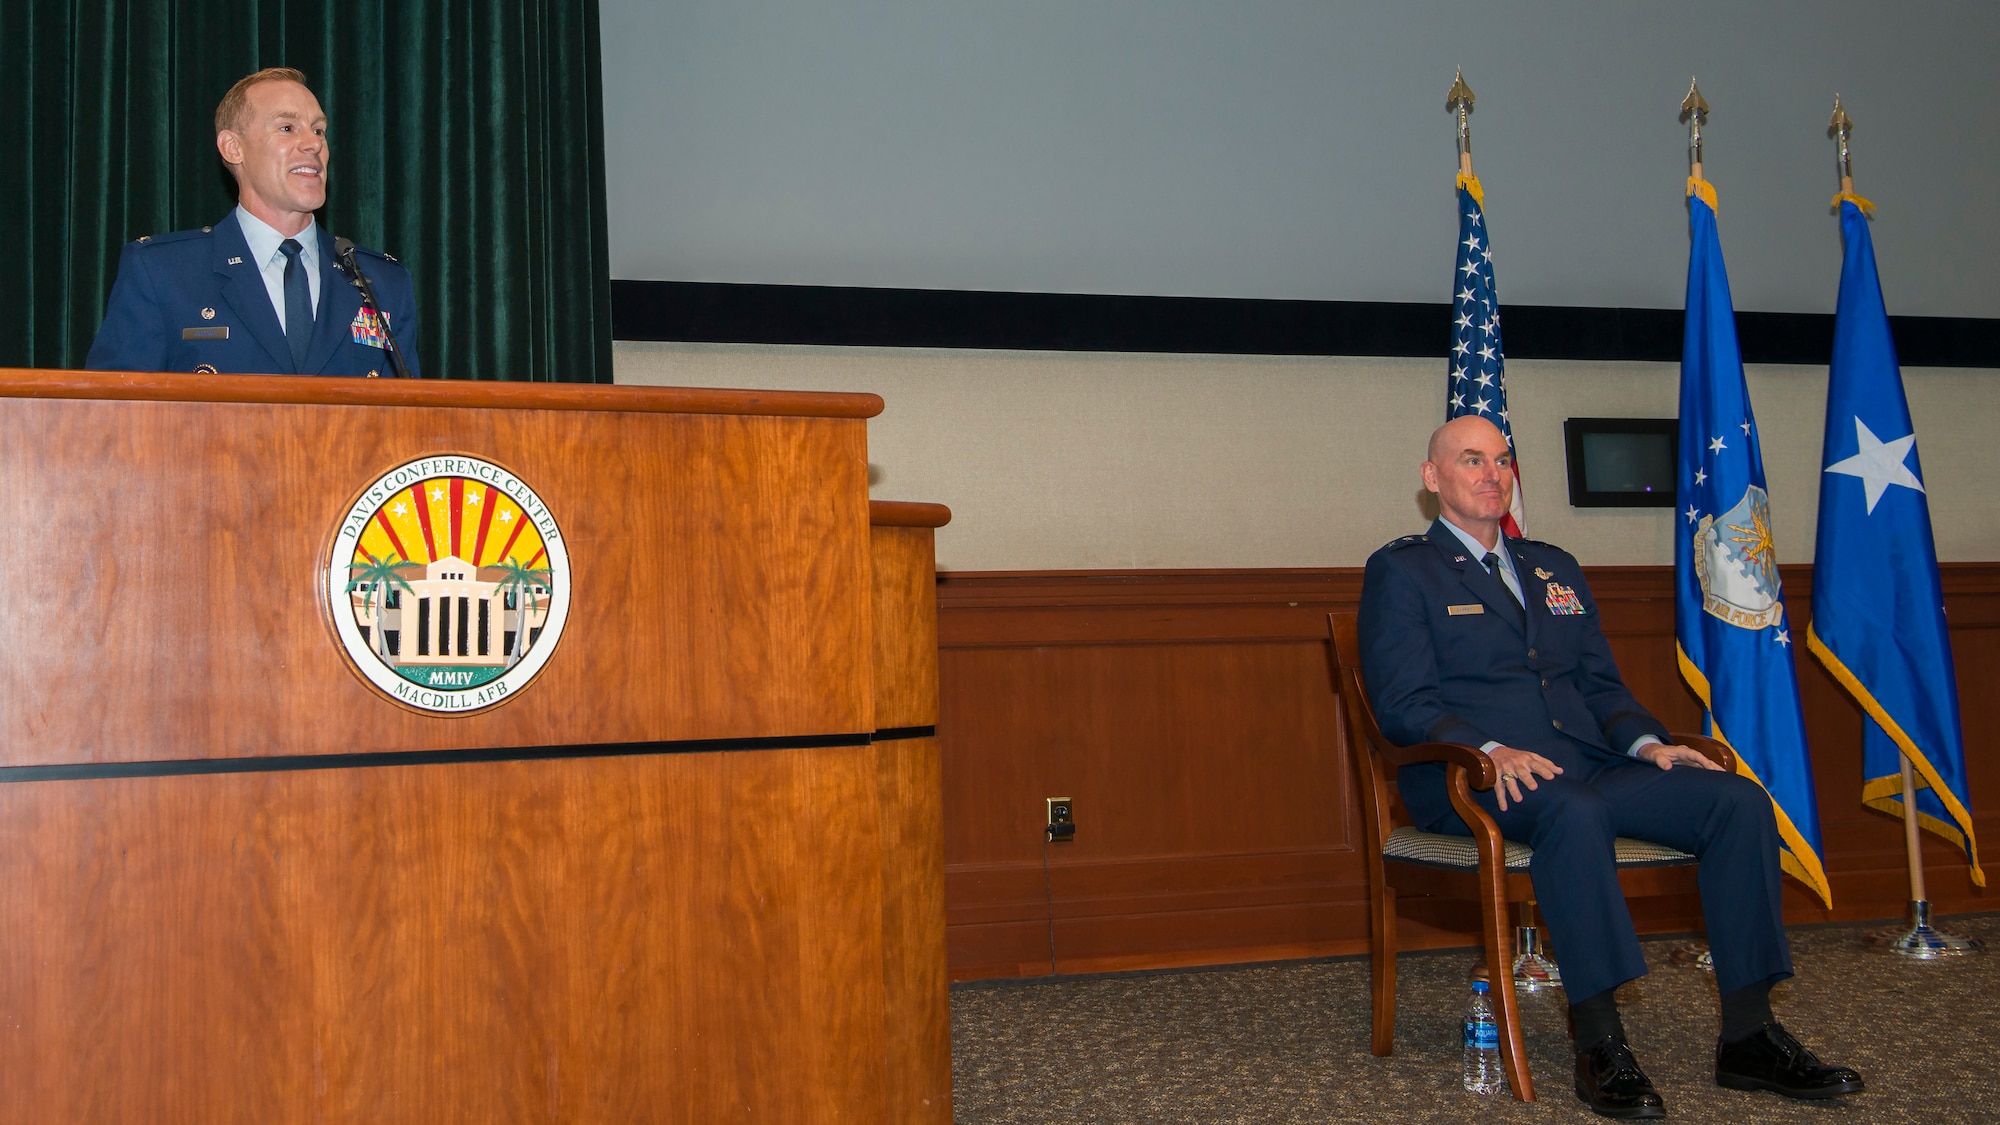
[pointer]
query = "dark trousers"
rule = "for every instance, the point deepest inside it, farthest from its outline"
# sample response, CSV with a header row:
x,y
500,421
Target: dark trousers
x,y
1571,821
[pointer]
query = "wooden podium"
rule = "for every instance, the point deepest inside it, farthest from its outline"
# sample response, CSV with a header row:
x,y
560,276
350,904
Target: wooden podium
x,y
691,870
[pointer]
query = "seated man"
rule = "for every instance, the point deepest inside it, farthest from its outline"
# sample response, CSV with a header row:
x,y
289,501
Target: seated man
x,y
1496,644
262,291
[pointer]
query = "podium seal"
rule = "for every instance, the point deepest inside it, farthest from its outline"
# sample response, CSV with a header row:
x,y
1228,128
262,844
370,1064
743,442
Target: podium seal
x,y
448,584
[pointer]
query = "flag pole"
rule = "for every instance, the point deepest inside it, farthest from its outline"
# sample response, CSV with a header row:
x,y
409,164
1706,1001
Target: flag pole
x,y
1912,842
1919,940
1694,110
1533,971
1458,100
1837,129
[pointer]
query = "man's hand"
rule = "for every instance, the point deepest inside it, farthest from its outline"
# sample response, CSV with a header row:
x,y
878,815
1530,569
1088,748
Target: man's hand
x,y
1522,767
1667,756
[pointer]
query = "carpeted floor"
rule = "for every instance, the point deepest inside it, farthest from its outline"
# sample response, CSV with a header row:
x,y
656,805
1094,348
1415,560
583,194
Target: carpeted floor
x,y
1289,1042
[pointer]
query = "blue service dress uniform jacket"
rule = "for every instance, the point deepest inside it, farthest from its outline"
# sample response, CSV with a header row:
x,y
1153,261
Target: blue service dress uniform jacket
x,y
1449,656
1557,691
194,301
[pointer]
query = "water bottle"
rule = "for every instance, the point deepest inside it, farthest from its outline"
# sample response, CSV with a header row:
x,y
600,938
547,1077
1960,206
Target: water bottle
x,y
1482,1045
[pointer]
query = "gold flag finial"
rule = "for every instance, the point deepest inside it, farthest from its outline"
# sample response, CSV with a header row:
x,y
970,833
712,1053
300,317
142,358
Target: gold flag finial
x,y
1460,94
1458,100
1694,111
1694,105
1837,127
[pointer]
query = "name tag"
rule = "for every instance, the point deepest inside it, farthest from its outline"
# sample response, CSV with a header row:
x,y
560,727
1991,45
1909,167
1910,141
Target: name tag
x,y
1465,610
219,332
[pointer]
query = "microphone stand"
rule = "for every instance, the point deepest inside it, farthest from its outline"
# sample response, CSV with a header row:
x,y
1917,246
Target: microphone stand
x,y
343,249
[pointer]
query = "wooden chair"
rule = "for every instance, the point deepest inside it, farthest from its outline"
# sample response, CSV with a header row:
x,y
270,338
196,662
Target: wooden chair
x,y
1403,860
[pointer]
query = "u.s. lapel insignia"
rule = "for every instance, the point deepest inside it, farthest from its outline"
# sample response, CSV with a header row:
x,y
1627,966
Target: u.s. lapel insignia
x,y
208,314
1543,574
1458,558
1562,601
235,261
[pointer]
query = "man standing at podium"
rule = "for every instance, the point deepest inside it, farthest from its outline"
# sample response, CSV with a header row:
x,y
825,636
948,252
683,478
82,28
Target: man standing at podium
x,y
264,290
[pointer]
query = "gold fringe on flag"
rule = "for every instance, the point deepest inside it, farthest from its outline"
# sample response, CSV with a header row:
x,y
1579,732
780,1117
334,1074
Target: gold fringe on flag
x,y
1701,187
1797,859
1886,793
1470,183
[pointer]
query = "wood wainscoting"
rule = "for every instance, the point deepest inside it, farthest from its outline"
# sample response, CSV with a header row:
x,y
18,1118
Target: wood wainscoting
x,y
1191,717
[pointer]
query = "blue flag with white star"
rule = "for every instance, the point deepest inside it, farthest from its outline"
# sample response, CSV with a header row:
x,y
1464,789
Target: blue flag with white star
x,y
1477,367
1878,608
1735,638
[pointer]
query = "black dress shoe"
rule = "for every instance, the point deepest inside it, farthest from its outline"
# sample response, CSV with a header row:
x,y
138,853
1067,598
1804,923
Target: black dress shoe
x,y
1609,1081
1773,1060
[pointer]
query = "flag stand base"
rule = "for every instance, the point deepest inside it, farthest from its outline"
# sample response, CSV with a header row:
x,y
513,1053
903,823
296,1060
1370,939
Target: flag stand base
x,y
1920,941
1533,972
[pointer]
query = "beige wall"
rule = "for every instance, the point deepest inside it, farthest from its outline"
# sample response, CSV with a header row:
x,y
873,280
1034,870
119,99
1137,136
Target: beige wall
x,y
1090,461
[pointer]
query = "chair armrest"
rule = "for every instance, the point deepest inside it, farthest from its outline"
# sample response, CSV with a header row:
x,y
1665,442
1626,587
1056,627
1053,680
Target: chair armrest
x,y
1479,769
1711,749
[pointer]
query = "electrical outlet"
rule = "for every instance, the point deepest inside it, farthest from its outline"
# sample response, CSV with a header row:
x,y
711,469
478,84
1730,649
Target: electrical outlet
x,y
1061,825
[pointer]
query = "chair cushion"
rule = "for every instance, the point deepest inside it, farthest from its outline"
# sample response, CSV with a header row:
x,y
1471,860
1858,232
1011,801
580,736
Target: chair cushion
x,y
1436,849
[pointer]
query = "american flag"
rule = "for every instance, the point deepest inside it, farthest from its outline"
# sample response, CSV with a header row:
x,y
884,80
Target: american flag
x,y
1477,383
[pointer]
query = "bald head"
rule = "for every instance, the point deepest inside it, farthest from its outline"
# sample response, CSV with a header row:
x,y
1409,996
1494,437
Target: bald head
x,y
1471,468
1463,432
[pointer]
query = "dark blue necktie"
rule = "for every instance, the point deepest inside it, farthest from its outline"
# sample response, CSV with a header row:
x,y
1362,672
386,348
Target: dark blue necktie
x,y
298,304
1512,602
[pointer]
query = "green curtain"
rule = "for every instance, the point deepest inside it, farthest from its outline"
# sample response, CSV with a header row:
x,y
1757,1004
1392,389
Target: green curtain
x,y
466,137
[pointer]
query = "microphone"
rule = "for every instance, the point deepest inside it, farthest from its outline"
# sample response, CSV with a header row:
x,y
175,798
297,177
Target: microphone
x,y
343,249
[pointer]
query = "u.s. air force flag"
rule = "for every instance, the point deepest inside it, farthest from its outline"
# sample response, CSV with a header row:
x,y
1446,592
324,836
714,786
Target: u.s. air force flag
x,y
1878,610
1735,641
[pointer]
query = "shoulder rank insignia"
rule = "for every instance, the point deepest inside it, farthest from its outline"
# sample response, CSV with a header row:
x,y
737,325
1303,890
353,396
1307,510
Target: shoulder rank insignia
x,y
1562,601
1543,574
